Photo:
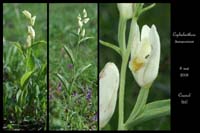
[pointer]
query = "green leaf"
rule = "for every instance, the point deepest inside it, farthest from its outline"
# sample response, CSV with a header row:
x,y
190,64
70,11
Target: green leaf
x,y
112,46
151,111
73,33
25,78
157,104
37,43
43,71
81,70
37,91
18,94
70,54
140,103
85,39
22,98
19,47
63,80
30,63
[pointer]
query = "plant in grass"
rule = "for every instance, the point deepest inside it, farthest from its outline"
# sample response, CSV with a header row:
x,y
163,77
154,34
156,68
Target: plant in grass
x,y
25,91
72,102
144,52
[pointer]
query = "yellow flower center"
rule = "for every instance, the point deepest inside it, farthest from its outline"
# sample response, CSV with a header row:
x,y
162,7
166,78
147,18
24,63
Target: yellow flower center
x,y
142,55
137,64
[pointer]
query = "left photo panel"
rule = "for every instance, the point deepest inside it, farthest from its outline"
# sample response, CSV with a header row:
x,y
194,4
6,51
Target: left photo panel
x,y
24,66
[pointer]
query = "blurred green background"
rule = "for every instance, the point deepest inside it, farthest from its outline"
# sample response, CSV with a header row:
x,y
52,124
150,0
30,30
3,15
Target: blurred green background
x,y
108,28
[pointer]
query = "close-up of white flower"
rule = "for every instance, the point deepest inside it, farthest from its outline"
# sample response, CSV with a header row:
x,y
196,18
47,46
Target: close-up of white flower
x,y
108,88
145,55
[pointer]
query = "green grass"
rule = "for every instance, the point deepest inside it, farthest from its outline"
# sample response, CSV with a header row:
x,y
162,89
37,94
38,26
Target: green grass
x,y
24,69
108,28
69,108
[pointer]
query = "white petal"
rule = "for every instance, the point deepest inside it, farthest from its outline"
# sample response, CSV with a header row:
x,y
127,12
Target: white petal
x,y
153,64
135,37
109,83
84,13
86,20
145,32
80,23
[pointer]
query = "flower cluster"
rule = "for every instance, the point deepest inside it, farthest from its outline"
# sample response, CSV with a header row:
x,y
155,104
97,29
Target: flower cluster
x,y
31,31
82,20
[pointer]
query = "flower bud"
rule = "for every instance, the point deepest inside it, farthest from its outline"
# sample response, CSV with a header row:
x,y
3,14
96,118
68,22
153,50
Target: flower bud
x,y
84,13
27,14
125,10
28,41
31,32
109,84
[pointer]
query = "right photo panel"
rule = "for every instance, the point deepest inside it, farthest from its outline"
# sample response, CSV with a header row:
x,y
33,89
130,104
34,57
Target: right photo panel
x,y
134,66
73,100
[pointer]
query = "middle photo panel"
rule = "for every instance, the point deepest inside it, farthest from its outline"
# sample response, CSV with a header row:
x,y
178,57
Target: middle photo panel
x,y
73,92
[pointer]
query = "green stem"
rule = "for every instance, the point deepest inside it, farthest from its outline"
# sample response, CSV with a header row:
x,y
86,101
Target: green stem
x,y
122,44
122,34
121,94
125,56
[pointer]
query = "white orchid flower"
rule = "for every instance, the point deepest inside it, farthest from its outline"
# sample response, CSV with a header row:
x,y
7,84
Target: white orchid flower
x,y
109,84
125,10
31,32
27,14
145,55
